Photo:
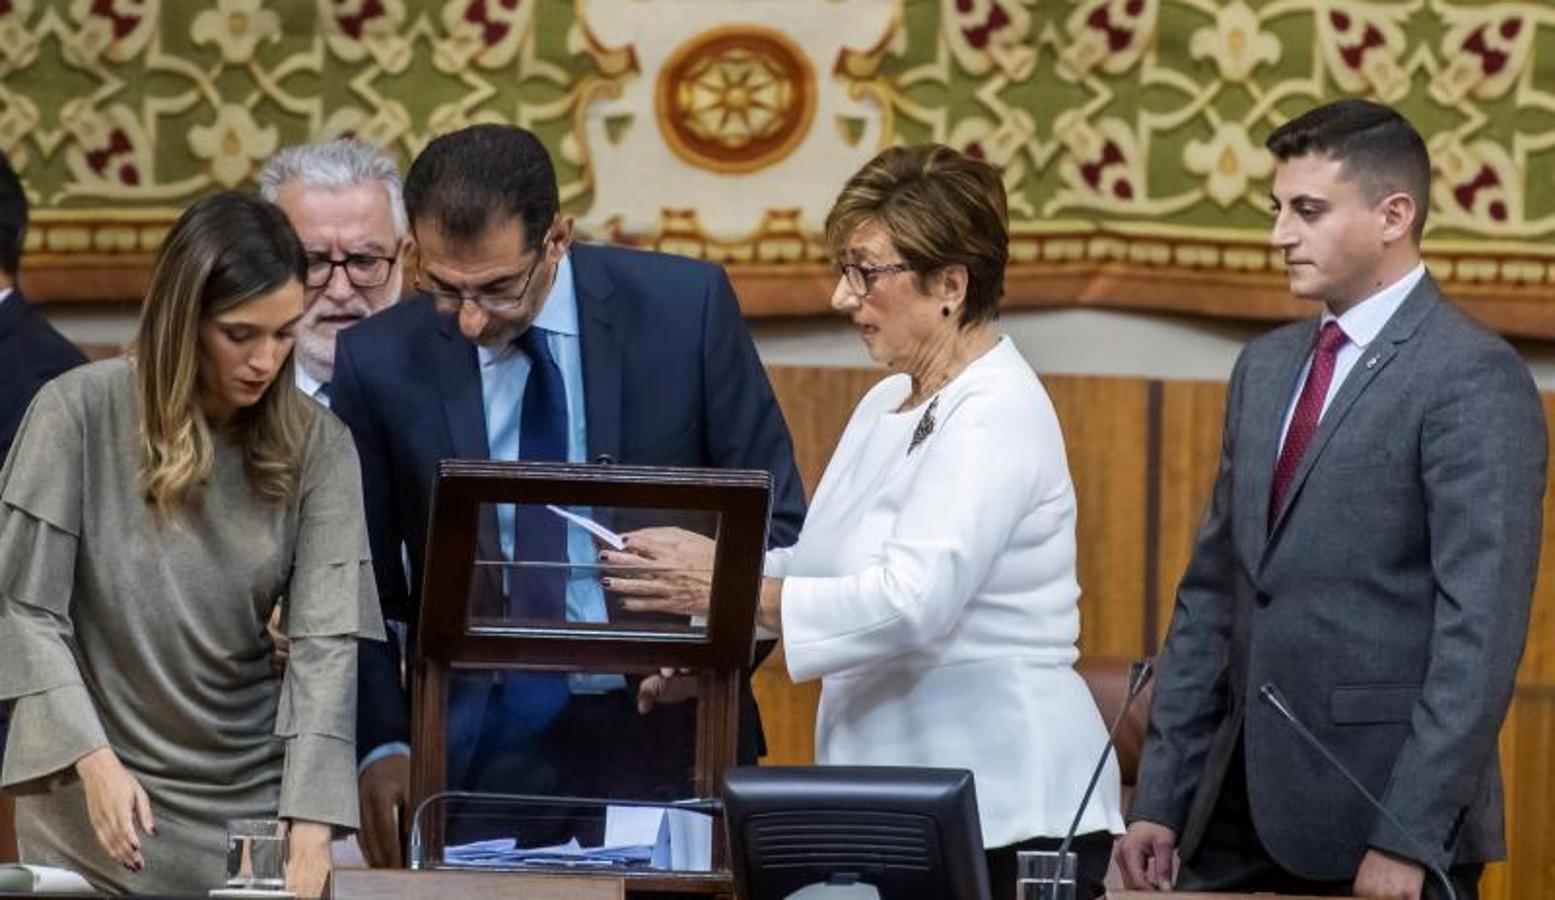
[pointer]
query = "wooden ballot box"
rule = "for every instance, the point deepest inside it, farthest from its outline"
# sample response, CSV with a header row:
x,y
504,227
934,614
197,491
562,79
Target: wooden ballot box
x,y
471,625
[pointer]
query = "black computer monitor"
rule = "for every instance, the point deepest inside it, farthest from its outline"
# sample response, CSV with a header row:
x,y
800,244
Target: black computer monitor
x,y
913,834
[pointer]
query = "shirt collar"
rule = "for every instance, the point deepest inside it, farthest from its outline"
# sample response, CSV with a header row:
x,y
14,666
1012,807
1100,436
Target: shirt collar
x,y
1362,322
558,315
5,294
305,382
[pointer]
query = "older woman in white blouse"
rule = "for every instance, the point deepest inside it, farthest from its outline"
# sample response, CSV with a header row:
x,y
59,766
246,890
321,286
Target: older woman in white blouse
x,y
933,587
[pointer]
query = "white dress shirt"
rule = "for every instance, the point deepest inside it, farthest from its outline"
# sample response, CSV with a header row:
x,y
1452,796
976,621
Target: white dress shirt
x,y
311,386
933,592
1361,324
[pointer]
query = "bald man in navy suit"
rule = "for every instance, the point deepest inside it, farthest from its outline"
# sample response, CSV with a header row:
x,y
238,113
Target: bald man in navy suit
x,y
523,344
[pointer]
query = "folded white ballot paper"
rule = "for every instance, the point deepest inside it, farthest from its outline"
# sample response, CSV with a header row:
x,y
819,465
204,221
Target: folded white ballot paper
x,y
29,879
685,842
682,839
632,826
615,541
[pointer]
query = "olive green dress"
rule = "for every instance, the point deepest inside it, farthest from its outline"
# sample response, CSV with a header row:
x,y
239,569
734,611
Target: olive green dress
x,y
148,637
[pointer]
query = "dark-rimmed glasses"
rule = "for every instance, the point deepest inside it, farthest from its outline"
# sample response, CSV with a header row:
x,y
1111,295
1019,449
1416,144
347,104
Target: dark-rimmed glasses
x,y
451,300
861,277
363,270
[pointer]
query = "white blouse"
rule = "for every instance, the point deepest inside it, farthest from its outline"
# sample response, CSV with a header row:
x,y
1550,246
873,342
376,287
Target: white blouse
x,y
933,592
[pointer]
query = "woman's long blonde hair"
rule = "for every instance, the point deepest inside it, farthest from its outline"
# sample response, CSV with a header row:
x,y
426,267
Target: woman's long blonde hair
x,y
224,251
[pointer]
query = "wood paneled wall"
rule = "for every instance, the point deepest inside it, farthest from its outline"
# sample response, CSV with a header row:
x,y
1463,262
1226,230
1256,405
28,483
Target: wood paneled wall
x,y
1143,456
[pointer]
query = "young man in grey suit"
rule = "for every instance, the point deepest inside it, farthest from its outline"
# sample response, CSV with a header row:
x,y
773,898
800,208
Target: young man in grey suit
x,y
1369,550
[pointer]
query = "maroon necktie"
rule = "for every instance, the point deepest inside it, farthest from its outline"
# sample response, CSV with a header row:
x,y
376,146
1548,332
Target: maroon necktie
x,y
1309,410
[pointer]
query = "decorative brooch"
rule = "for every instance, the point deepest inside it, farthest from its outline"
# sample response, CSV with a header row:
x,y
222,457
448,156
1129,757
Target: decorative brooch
x,y
925,426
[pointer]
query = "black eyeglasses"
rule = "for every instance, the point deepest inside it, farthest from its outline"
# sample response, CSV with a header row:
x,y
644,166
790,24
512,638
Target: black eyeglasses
x,y
450,300
861,277
363,270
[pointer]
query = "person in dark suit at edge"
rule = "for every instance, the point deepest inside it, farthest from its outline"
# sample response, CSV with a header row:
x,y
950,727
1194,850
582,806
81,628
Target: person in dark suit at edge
x,y
33,351
1370,550
521,343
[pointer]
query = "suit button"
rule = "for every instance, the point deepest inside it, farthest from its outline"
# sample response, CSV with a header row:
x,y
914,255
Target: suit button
x,y
1261,599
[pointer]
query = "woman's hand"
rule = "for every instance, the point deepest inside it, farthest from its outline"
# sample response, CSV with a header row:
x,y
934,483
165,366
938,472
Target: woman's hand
x,y
115,802
769,605
661,570
308,860
665,687
279,641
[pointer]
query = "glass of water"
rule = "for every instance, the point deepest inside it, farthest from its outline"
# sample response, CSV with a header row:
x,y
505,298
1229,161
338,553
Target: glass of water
x,y
256,854
1044,875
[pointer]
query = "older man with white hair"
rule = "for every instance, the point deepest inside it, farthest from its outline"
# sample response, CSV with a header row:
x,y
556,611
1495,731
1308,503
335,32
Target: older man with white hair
x,y
343,198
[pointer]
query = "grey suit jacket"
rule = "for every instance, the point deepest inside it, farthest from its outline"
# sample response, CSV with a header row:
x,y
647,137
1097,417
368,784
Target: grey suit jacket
x,y
1389,601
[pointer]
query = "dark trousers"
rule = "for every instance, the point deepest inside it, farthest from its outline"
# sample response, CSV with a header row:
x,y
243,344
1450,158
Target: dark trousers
x,y
1092,851
1232,858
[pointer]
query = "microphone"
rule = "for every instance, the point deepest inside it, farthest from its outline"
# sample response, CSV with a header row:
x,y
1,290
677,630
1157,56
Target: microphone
x,y
1271,696
603,459
1139,676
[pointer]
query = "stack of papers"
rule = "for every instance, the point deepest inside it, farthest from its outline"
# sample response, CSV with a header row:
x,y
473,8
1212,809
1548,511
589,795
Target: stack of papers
x,y
504,853
651,837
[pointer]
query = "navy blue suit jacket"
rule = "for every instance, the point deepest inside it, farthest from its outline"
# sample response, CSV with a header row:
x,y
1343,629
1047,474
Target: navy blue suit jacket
x,y
670,375
34,353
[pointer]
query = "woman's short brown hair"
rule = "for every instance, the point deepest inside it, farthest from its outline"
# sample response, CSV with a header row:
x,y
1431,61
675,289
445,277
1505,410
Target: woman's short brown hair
x,y
939,208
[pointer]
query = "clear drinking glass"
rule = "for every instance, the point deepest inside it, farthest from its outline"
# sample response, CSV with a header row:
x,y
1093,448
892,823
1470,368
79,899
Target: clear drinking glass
x,y
256,854
1044,875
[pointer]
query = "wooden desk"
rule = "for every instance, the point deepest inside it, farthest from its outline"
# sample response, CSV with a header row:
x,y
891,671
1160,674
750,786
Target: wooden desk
x,y
401,884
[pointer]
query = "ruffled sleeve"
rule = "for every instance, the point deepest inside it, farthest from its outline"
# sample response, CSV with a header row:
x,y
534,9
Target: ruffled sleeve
x,y
53,720
331,602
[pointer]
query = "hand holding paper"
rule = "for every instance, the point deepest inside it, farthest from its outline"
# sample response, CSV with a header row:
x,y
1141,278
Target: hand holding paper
x,y
662,570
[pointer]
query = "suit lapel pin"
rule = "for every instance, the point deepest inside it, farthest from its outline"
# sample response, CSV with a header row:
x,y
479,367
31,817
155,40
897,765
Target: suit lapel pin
x,y
1371,363
925,426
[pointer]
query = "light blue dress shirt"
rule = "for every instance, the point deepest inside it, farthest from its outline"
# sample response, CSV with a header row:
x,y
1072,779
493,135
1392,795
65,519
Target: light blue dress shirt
x,y
504,373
